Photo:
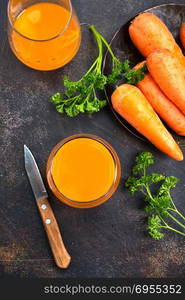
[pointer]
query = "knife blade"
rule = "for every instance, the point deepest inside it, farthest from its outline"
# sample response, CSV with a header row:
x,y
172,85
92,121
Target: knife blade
x,y
61,256
34,175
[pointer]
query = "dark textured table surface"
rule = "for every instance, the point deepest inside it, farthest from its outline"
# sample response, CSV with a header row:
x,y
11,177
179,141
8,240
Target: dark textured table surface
x,y
106,241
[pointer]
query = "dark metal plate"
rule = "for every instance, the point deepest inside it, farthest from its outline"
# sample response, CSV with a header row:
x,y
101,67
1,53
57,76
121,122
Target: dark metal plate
x,y
172,15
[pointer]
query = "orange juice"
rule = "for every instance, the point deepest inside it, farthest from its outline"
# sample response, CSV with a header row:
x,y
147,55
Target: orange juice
x,y
45,36
83,169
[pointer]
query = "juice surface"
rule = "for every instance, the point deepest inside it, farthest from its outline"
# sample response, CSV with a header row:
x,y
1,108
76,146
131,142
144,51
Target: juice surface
x,y
83,169
42,40
42,21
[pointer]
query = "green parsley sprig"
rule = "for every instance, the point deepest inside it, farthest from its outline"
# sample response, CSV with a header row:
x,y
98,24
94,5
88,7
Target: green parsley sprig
x,y
82,96
160,206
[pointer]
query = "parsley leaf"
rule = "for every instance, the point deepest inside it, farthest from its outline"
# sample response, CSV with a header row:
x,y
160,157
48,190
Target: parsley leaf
x,y
159,205
81,96
154,226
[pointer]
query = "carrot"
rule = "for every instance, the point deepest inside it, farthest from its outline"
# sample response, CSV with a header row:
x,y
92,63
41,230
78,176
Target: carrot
x,y
132,105
149,33
182,34
167,71
161,103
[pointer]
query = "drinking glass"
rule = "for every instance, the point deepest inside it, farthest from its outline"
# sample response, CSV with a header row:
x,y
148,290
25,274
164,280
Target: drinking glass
x,y
87,204
44,35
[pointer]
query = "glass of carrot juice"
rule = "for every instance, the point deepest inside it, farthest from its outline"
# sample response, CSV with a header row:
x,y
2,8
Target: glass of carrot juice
x,y
44,35
83,171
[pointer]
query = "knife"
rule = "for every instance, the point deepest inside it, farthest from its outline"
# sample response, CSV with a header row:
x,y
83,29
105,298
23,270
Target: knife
x,y
61,256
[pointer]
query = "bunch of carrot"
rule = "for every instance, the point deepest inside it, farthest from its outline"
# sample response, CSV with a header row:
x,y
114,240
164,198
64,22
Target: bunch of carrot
x,y
162,91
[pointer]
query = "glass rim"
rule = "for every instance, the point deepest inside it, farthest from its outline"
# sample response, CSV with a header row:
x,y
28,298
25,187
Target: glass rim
x,y
112,187
40,40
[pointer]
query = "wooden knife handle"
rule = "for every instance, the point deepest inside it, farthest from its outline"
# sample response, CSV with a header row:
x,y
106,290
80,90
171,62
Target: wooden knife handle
x,y
62,258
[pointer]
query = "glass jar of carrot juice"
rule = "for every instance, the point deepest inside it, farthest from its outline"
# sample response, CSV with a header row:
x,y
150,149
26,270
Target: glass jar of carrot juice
x,y
44,35
83,171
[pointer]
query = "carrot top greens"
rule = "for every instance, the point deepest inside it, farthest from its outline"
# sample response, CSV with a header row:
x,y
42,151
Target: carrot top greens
x,y
160,206
82,96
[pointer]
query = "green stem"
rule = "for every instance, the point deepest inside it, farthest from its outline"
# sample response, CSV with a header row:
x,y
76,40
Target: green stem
x,y
90,69
98,62
175,220
169,215
173,229
144,193
172,201
175,208
169,227
94,92
68,100
96,33
148,191
177,212
100,46
162,220
108,47
144,172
